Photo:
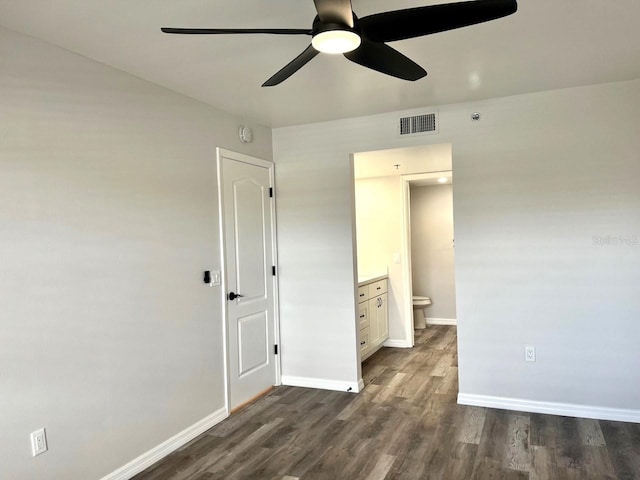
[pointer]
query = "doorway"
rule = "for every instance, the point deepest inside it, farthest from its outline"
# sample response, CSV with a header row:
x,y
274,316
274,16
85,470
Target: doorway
x,y
247,226
430,243
383,225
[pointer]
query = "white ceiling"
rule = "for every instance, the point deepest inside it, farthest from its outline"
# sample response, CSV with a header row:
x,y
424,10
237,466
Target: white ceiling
x,y
548,44
401,161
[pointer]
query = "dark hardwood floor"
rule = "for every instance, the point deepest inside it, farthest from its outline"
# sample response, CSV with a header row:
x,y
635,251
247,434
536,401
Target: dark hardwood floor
x,y
405,425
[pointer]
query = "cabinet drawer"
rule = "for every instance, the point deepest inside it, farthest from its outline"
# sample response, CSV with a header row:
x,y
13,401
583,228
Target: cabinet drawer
x,y
363,293
377,288
364,339
363,315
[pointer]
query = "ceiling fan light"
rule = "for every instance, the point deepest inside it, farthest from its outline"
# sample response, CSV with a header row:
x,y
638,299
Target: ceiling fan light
x,y
336,41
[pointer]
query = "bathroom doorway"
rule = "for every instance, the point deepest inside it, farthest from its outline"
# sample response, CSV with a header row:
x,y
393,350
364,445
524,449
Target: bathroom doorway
x,y
430,245
383,185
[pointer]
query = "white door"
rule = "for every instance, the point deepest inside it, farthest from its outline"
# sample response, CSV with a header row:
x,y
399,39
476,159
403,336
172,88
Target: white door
x,y
247,231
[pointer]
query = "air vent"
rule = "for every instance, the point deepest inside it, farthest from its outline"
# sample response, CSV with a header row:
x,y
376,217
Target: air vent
x,y
418,125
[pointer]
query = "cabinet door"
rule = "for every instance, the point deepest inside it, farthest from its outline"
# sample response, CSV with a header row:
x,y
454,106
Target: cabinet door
x,y
374,329
382,318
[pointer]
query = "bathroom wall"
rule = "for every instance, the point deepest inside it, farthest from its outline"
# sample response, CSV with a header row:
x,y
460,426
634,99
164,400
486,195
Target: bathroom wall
x,y
432,252
379,239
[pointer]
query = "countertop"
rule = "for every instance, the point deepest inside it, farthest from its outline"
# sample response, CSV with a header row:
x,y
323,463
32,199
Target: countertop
x,y
365,279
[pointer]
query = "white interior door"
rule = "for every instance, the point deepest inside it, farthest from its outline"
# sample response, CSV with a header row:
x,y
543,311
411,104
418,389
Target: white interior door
x,y
248,250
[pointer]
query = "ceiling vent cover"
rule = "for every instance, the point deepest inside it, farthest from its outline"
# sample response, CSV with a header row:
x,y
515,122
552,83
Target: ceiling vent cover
x,y
425,124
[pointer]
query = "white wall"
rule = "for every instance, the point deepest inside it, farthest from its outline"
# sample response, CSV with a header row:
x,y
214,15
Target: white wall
x,y
108,216
379,239
536,179
432,252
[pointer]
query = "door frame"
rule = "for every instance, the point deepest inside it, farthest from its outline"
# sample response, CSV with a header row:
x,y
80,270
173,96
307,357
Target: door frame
x,y
407,180
258,162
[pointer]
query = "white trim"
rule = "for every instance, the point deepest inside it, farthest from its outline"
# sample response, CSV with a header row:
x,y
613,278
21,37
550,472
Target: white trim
x,y
550,408
321,384
441,321
241,157
398,344
276,278
354,249
407,281
154,455
223,268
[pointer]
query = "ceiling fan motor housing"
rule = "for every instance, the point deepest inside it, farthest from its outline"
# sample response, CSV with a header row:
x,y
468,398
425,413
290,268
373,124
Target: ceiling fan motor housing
x,y
319,26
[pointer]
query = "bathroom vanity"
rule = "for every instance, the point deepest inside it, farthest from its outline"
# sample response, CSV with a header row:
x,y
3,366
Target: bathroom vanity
x,y
373,316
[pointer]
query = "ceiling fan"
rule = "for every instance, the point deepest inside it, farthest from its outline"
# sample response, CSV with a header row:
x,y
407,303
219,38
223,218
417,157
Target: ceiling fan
x,y
336,29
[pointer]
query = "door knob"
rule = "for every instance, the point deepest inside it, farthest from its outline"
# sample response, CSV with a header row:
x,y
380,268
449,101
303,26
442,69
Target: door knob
x,y
233,296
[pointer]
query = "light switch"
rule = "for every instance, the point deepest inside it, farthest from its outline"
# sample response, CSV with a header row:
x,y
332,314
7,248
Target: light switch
x,y
396,258
216,278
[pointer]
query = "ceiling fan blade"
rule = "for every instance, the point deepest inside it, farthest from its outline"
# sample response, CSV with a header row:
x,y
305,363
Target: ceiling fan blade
x,y
416,22
295,65
222,31
382,58
335,11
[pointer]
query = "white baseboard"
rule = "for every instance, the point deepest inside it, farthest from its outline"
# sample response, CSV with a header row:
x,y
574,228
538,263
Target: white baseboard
x,y
441,321
320,383
398,343
550,408
360,385
147,459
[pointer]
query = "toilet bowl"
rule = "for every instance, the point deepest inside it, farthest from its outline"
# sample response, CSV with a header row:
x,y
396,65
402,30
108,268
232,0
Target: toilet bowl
x,y
419,304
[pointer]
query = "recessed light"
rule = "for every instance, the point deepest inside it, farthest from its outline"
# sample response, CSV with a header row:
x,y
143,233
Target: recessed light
x,y
443,180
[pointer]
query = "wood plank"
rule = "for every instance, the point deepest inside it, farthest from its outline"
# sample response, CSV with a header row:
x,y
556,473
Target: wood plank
x,y
623,446
382,467
461,461
590,432
470,430
517,456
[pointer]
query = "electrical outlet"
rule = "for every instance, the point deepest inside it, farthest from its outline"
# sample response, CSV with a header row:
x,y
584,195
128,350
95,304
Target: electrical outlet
x,y
38,442
529,353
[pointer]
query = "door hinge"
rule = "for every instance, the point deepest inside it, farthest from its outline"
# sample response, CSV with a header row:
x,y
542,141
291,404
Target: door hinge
x,y
273,270
270,192
275,349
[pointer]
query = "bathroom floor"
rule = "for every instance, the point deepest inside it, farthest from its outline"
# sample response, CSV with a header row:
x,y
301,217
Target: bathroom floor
x,y
404,425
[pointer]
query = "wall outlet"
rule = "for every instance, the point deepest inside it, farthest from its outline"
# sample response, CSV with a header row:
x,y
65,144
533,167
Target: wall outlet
x,y
529,353
39,442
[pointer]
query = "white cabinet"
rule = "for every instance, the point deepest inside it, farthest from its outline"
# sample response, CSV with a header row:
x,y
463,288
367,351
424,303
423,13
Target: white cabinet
x,y
372,316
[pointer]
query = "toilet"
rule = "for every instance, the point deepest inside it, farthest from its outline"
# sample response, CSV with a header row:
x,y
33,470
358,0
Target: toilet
x,y
419,304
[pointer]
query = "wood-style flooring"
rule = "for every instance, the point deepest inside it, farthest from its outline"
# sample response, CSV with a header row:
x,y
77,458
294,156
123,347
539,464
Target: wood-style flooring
x,y
404,425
